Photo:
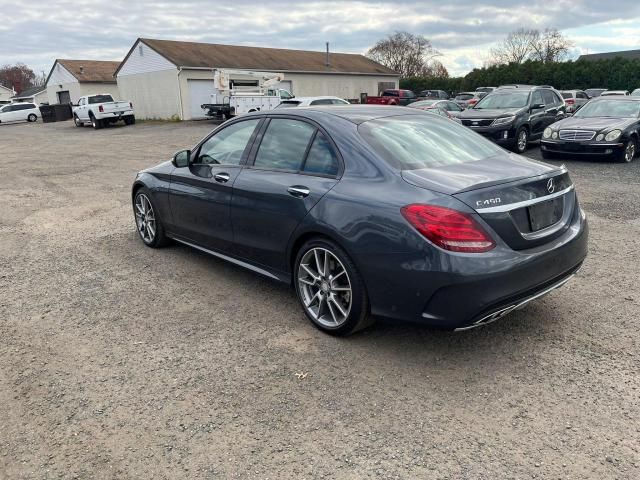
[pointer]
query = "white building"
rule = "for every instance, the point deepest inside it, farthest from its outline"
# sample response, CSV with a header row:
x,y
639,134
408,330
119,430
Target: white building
x,y
6,94
69,80
167,79
37,95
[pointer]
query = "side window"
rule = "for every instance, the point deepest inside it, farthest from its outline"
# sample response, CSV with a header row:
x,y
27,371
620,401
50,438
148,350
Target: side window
x,y
453,107
226,146
321,159
581,95
284,144
324,101
537,98
549,98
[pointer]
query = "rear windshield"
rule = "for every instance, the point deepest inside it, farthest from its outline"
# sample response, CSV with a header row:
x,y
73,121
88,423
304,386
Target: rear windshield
x,y
412,142
464,96
504,100
610,108
289,104
567,94
100,99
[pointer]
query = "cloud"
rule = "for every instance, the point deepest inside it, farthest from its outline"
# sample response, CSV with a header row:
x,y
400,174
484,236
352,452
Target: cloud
x,y
463,30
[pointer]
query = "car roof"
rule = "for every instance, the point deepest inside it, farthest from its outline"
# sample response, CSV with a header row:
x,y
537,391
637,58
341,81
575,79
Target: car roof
x,y
320,97
356,114
615,98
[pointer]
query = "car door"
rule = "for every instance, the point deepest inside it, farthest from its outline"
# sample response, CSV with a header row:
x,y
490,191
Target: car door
x,y
6,113
552,108
81,110
200,194
293,164
538,115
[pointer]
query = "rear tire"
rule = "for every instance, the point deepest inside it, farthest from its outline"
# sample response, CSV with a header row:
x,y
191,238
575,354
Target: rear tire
x,y
95,123
330,288
129,120
629,152
32,117
522,140
77,121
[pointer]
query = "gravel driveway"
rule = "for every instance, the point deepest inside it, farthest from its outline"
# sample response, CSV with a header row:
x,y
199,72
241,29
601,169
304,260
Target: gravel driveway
x,y
119,361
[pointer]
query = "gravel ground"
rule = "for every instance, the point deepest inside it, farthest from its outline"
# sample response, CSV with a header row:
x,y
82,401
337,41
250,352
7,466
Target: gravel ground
x,y
118,361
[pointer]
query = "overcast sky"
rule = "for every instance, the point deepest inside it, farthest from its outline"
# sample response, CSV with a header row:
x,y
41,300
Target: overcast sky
x,y
37,32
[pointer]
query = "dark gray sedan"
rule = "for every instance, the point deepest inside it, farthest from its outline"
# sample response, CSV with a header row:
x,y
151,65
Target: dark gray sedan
x,y
371,212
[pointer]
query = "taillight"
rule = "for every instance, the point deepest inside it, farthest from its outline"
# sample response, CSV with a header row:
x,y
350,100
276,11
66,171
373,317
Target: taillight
x,y
569,101
448,229
100,108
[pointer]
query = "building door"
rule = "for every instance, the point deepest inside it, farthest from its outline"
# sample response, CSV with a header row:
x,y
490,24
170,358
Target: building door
x,y
200,92
64,98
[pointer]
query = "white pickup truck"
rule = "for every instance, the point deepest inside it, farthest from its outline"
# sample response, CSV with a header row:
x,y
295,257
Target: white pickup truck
x,y
100,110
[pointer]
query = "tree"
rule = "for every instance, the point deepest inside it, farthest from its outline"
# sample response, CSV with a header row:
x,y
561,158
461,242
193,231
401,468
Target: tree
x,y
18,76
408,54
551,46
529,44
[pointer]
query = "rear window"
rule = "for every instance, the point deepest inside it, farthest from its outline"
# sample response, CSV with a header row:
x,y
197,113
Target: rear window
x,y
390,93
288,104
100,99
413,142
567,94
464,96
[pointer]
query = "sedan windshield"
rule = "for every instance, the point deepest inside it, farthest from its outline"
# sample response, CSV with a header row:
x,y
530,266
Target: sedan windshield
x,y
412,142
610,108
503,100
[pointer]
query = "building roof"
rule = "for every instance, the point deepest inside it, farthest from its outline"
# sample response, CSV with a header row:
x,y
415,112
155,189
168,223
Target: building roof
x,y
89,71
210,55
630,54
30,92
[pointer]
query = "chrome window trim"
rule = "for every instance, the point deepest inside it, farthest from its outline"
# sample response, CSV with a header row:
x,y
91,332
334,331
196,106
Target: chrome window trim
x,y
525,203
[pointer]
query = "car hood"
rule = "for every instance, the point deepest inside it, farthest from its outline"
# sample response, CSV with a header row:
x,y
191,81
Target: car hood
x,y
489,113
461,177
594,123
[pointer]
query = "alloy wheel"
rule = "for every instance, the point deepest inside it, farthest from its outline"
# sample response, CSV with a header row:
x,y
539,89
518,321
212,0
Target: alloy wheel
x,y
630,151
522,140
145,218
325,287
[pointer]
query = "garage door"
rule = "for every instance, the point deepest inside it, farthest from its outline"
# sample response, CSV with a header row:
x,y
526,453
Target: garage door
x,y
199,92
64,98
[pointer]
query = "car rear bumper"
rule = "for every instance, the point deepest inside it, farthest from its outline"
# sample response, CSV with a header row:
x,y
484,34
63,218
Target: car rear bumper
x,y
457,291
581,148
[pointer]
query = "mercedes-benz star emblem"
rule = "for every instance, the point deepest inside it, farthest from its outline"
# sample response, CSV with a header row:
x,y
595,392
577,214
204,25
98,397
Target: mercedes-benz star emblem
x,y
550,186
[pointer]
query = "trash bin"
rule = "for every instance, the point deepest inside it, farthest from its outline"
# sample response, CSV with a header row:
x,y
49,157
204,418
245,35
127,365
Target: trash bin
x,y
48,113
62,112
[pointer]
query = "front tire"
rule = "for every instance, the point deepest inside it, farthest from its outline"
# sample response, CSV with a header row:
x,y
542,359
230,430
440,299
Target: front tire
x,y
77,121
148,223
330,288
629,152
32,117
522,140
95,123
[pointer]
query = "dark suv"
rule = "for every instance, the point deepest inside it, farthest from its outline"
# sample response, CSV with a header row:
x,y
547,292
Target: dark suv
x,y
512,116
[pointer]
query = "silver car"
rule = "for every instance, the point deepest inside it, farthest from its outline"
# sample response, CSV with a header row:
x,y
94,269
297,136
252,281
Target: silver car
x,y
574,99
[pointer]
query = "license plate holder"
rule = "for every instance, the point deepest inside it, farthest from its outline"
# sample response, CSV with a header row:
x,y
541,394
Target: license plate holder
x,y
545,214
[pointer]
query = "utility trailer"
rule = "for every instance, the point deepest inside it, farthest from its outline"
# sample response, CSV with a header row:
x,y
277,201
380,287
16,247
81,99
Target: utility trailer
x,y
229,100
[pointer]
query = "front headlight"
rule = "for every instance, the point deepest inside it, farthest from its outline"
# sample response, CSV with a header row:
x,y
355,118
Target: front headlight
x,y
504,120
547,133
612,135
600,137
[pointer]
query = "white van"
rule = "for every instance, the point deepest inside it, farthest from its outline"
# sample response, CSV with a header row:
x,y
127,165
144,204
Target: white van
x,y
17,112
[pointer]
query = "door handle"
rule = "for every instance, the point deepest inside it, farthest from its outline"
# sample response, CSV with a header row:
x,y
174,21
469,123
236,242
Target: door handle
x,y
298,191
221,177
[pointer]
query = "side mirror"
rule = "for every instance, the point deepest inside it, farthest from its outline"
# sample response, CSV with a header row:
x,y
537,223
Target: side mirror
x,y
181,158
538,106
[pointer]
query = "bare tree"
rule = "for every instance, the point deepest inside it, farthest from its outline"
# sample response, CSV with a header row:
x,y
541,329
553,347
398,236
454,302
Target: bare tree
x,y
408,54
551,46
18,76
516,48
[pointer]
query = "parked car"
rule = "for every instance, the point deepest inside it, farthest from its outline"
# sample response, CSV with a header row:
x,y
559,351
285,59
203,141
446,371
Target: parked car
x,y
514,116
451,108
434,94
485,89
370,212
594,92
101,110
574,99
393,97
19,112
310,101
636,93
623,93
443,113
469,99
607,126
